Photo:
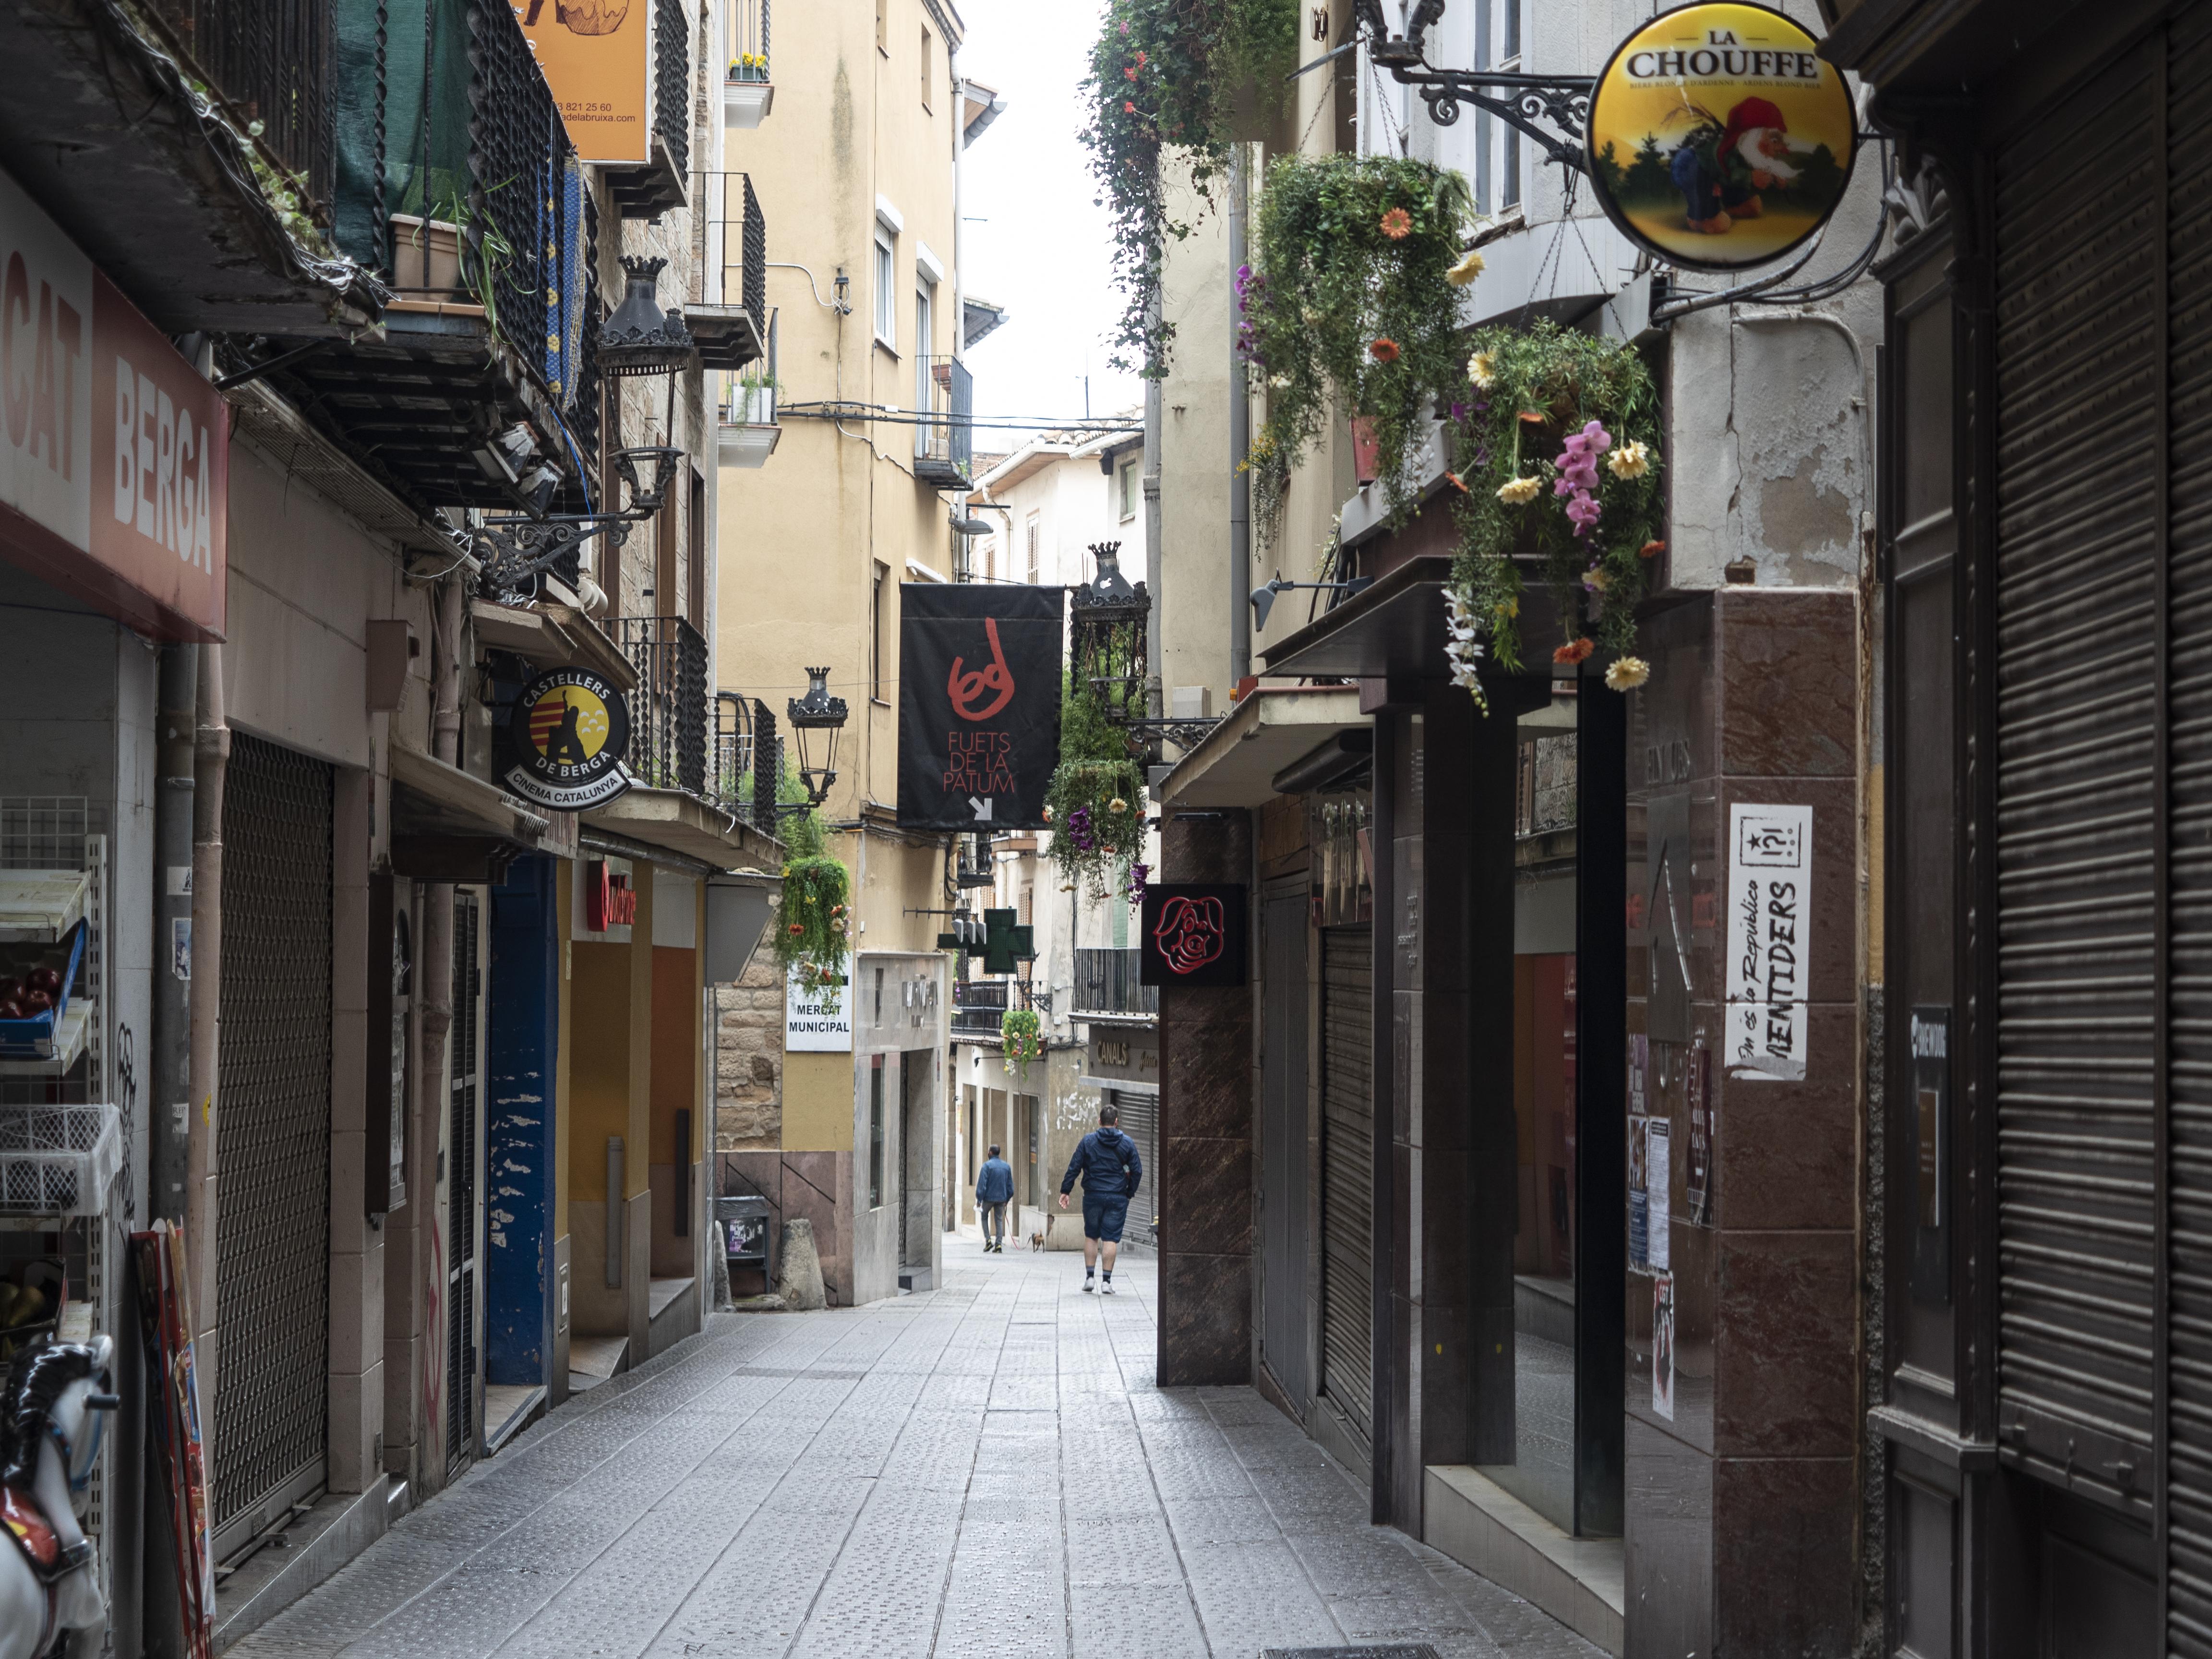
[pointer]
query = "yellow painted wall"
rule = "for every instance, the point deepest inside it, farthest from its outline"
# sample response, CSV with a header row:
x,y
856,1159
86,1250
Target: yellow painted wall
x,y
818,1103
595,1031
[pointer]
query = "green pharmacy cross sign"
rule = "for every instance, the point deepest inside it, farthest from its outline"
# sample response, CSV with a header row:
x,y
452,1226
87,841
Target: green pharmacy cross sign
x,y
999,941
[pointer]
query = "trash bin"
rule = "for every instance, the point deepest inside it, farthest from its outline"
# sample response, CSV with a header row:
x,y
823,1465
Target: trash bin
x,y
744,1225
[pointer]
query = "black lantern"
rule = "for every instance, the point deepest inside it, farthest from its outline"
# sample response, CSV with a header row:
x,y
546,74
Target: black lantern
x,y
1106,633
640,338
817,718
647,495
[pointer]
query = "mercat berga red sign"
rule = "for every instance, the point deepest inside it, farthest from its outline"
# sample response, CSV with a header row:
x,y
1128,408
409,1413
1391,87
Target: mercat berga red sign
x,y
979,704
114,453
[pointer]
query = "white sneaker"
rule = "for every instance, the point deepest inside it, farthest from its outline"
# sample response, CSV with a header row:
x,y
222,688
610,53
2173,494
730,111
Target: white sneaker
x,y
1107,1289
1087,1285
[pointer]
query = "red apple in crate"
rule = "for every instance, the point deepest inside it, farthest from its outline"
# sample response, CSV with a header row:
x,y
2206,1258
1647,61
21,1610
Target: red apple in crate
x,y
35,1002
48,980
10,1008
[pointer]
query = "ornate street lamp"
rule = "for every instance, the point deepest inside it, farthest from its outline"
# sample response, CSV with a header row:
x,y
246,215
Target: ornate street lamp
x,y
1106,636
640,338
817,718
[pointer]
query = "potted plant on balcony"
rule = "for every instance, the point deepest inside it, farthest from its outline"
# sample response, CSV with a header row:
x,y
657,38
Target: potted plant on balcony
x,y
748,94
749,429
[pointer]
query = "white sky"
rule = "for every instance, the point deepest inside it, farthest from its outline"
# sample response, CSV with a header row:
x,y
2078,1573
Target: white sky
x,y
1043,250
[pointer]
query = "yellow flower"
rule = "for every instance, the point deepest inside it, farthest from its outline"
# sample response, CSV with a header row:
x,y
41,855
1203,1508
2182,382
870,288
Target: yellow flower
x,y
1482,369
1509,608
1468,267
1117,805
1631,460
1519,492
1626,673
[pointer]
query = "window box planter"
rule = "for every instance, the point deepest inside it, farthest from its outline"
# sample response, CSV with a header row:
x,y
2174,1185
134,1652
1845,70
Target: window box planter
x,y
745,103
747,446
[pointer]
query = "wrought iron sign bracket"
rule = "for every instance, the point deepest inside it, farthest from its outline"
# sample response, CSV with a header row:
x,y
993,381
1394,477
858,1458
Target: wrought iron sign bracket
x,y
514,549
1185,734
1521,101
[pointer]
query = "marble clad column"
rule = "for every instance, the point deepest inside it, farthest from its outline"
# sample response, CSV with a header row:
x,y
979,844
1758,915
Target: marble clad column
x,y
1741,1509
1208,1087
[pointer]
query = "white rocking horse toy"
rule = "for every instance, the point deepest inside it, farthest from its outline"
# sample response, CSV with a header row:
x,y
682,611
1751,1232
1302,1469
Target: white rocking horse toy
x,y
50,1420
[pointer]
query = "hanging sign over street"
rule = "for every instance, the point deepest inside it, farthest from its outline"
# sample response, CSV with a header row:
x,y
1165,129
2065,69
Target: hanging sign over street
x,y
979,704
1719,138
595,56
1195,934
566,737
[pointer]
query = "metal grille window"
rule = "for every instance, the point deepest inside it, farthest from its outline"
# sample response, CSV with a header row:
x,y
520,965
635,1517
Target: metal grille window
x,y
1348,1167
273,1131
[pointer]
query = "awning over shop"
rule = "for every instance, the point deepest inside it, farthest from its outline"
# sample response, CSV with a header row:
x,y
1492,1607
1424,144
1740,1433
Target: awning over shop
x,y
1267,733
447,825
687,825
1395,629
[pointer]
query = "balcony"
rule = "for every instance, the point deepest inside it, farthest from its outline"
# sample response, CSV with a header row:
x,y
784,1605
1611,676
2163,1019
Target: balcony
x,y
748,430
749,94
189,148
648,189
944,437
725,301
478,218
978,1007
1106,985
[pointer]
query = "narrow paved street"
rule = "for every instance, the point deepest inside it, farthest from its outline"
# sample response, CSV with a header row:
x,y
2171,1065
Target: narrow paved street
x,y
984,1469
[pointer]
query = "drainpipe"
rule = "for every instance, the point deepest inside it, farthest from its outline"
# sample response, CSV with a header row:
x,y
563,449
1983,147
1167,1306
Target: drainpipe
x,y
1155,702
1240,446
210,760
169,1111
433,997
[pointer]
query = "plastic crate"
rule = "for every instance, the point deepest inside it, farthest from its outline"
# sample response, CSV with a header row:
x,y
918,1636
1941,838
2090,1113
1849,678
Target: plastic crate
x,y
58,1160
34,1038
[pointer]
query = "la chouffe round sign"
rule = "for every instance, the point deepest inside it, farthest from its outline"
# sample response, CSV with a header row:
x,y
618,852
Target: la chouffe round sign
x,y
1719,138
567,735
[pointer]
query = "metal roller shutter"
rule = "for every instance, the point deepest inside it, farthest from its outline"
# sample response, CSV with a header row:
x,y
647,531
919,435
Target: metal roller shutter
x,y
2077,789
1140,1121
2188,1006
464,1189
273,1135
1347,1165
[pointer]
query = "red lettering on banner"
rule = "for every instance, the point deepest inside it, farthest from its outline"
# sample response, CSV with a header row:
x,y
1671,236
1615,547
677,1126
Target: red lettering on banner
x,y
964,689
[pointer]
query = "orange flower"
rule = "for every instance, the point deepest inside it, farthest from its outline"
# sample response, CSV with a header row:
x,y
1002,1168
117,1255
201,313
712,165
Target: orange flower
x,y
1574,651
1457,483
1650,549
1534,416
1127,108
797,927
1131,73
1397,224
1384,350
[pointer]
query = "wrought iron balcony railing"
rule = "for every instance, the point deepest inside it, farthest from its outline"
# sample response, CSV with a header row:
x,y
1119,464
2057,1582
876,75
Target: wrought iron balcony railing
x,y
269,61
747,40
944,435
1106,983
979,1006
726,291
669,711
747,762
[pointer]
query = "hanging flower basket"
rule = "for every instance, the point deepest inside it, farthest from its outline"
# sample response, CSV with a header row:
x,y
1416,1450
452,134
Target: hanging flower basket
x,y
812,931
1019,1035
1098,821
1558,457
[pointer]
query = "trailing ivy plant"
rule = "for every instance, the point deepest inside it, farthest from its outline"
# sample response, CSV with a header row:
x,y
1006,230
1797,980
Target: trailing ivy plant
x,y
812,931
1163,76
1354,303
1558,452
1095,801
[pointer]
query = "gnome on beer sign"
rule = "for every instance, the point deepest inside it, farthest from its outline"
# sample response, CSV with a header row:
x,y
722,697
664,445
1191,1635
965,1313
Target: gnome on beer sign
x,y
1722,170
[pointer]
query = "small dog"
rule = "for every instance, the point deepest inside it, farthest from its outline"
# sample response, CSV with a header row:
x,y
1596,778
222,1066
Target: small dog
x,y
1037,1241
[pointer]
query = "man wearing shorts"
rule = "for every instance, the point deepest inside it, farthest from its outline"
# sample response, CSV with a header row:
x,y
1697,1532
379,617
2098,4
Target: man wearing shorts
x,y
1108,1161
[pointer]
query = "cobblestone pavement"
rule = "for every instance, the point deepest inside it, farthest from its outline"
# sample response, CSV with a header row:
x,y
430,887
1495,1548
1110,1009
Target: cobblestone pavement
x,y
984,1469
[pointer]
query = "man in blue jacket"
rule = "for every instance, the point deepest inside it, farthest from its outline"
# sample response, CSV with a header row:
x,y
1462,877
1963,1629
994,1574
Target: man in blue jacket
x,y
994,1186
1108,1161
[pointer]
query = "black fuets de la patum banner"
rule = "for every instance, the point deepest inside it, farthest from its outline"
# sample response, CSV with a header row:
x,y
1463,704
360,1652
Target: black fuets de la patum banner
x,y
979,704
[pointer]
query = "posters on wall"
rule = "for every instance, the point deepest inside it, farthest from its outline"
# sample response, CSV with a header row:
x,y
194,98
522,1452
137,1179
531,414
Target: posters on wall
x,y
1769,939
595,56
979,684
1662,1346
818,1019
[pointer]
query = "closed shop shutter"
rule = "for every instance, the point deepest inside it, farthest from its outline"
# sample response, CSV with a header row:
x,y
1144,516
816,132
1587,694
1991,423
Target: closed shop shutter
x,y
2077,784
1140,1121
1348,1165
1283,1147
273,1135
2189,1081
